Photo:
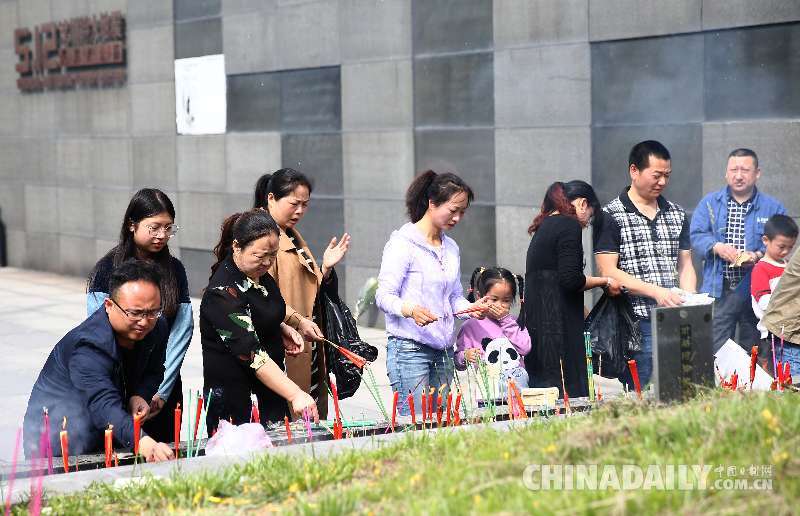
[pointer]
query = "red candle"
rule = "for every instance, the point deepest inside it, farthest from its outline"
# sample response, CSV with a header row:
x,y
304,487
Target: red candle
x,y
177,425
137,432
458,405
288,428
734,381
635,376
449,404
439,410
753,357
424,407
510,401
255,415
394,409
787,373
65,445
410,401
198,413
779,375
335,393
109,442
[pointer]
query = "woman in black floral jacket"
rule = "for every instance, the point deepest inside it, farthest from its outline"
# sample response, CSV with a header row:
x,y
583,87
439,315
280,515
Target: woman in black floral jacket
x,y
243,337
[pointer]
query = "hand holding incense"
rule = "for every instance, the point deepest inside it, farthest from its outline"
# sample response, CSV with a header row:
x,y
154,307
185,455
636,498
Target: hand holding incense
x,y
635,377
64,445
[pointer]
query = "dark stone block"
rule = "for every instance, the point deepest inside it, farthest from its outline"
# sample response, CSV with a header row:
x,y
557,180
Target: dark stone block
x,y
753,72
323,220
190,9
611,146
317,155
198,38
254,102
454,90
451,25
467,152
657,80
476,237
311,100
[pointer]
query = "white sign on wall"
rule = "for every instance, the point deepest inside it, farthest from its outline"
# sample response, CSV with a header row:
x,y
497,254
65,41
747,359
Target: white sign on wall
x,y
200,95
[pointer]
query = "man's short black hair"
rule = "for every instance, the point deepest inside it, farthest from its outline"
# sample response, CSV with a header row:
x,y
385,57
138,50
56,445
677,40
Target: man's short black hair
x,y
641,152
744,153
782,225
133,270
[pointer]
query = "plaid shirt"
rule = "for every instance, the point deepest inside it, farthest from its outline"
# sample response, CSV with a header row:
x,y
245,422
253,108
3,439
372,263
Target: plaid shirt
x,y
734,235
648,249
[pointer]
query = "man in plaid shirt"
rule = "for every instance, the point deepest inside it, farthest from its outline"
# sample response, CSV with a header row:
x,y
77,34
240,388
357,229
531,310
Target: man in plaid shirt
x,y
644,244
726,231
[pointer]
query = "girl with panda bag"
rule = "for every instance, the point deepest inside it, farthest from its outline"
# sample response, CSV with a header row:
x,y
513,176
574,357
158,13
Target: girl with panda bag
x,y
497,338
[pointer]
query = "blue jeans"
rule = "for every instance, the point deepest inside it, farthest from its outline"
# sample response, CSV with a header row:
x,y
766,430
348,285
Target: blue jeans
x,y
734,308
644,358
412,367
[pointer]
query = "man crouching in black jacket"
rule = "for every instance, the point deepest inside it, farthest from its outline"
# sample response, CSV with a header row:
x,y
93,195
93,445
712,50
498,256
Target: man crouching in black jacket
x,y
114,359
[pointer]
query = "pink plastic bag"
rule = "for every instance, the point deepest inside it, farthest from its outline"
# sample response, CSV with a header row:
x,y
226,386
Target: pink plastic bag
x,y
235,440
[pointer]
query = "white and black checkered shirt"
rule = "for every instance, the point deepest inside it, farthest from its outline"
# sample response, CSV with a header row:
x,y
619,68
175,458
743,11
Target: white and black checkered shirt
x,y
734,235
648,249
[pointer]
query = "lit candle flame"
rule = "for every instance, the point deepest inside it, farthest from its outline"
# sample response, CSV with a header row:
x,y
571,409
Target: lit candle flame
x,y
64,423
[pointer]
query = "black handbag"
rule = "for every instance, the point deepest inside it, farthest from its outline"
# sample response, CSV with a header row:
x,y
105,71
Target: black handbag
x,y
340,328
615,335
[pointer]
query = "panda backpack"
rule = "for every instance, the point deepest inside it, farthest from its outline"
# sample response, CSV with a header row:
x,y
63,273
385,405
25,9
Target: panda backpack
x,y
503,361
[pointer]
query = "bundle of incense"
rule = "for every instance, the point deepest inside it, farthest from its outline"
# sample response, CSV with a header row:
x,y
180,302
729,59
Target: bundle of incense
x,y
587,339
359,361
753,357
470,310
600,373
203,419
177,428
520,403
635,377
410,401
64,445
13,473
567,408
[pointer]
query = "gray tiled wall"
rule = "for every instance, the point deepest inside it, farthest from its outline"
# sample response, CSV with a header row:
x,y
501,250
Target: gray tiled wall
x,y
361,94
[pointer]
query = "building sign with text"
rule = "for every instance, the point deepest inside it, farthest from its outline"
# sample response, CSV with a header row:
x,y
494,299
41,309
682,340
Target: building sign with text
x,y
88,51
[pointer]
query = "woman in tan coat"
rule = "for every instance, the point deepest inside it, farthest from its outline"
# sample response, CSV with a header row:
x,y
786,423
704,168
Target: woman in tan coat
x,y
286,194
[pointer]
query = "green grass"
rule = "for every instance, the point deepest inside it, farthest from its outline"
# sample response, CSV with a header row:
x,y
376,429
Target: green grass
x,y
481,471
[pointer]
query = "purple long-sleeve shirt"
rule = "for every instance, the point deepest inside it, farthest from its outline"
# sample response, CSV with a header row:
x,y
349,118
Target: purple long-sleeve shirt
x,y
415,272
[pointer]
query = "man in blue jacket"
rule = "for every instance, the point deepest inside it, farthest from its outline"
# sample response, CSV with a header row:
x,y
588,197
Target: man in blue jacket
x,y
105,370
726,231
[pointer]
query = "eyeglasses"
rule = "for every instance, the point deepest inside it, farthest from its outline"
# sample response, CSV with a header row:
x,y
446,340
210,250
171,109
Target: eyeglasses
x,y
138,315
166,231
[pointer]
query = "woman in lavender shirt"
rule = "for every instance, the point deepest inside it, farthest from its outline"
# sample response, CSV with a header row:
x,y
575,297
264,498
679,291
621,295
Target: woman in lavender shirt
x,y
420,286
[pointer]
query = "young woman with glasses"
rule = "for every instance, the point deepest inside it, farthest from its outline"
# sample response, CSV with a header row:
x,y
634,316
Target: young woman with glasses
x,y
148,224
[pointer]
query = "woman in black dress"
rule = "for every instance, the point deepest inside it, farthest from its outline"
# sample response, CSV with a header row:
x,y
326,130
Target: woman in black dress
x,y
554,286
244,339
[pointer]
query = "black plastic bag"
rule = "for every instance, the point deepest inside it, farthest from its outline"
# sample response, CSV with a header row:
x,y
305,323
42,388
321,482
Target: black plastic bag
x,y
340,328
615,335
